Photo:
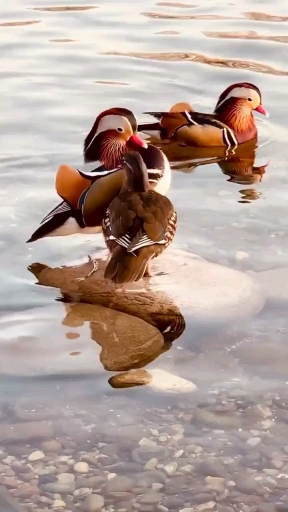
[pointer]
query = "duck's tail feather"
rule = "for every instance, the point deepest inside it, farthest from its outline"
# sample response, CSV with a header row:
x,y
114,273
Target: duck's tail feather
x,y
50,225
126,268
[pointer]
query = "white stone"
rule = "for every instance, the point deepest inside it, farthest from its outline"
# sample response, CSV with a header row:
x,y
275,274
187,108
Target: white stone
x,y
253,441
151,464
154,432
83,491
59,504
110,476
171,468
274,283
206,292
156,486
178,454
206,506
37,455
81,467
188,468
163,380
65,478
147,442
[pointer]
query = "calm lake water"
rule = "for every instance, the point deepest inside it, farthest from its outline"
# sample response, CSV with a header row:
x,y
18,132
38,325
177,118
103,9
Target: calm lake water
x,y
61,66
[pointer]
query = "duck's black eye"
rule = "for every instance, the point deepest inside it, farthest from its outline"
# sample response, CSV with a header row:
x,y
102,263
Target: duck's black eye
x,y
120,130
249,99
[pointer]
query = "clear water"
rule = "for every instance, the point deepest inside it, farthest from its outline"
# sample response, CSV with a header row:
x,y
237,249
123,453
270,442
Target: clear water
x,y
59,68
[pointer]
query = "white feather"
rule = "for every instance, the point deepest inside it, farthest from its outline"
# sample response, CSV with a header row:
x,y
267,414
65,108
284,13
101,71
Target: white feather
x,y
164,183
71,227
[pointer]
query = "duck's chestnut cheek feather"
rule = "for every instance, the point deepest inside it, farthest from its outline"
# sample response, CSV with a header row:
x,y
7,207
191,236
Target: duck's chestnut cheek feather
x,y
262,110
136,140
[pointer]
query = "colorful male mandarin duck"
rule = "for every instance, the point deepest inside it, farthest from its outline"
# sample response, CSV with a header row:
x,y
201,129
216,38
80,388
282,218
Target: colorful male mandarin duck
x,y
139,224
231,124
86,197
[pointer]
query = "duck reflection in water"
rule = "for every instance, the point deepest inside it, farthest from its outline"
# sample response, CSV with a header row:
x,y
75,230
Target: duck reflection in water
x,y
132,331
238,164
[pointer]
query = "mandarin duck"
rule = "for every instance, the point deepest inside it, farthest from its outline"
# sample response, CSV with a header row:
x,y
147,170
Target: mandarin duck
x,y
138,226
231,124
86,197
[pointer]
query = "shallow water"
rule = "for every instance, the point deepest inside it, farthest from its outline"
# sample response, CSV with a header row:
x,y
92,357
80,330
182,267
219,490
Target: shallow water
x,y
60,66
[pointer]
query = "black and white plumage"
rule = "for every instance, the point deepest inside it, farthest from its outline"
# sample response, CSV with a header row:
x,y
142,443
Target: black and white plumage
x,y
139,224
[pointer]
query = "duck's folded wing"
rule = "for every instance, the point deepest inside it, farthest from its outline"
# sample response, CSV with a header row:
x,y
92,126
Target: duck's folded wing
x,y
140,220
200,128
52,221
98,172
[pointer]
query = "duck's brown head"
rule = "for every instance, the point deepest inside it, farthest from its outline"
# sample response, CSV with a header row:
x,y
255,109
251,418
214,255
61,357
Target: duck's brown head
x,y
107,140
236,104
136,172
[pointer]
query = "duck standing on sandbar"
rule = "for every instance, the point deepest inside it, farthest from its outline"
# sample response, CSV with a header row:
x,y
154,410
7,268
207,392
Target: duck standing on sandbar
x,y
139,224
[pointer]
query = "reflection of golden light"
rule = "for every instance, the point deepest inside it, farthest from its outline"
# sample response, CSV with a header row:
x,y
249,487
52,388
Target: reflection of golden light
x,y
168,32
110,82
251,35
65,8
164,16
211,61
18,23
262,16
62,40
175,4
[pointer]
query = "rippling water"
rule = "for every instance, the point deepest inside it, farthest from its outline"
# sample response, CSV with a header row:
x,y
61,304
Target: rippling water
x,y
60,66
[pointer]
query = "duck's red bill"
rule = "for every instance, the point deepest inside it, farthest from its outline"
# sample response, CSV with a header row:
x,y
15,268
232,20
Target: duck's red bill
x,y
135,140
262,111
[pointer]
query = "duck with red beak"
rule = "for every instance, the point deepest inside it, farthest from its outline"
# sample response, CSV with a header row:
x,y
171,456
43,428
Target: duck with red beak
x,y
231,124
86,197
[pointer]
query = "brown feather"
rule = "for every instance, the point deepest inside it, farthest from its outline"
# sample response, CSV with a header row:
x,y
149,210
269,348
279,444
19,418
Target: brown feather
x,y
124,267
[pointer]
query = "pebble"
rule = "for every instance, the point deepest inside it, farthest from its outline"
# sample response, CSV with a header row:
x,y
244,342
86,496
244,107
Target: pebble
x,y
146,479
171,468
178,454
156,486
277,463
152,497
20,468
51,446
147,442
93,503
211,467
81,467
253,441
58,487
151,464
83,491
119,483
215,483
188,468
144,453
65,478
59,504
93,482
37,455
206,506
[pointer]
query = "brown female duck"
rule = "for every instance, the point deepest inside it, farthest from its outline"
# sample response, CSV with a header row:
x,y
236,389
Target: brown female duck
x,y
86,197
139,224
231,124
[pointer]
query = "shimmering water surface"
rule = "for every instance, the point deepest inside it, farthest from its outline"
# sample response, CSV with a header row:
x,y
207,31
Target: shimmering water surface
x,y
60,66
